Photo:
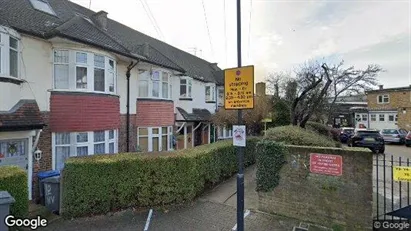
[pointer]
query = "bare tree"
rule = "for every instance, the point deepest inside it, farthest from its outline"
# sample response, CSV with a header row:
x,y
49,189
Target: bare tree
x,y
276,83
350,80
313,82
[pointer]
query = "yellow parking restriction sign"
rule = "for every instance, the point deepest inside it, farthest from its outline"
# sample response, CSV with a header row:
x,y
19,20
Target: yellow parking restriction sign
x,y
401,173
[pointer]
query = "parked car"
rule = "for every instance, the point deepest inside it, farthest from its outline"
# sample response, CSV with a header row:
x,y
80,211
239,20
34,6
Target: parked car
x,y
345,133
394,135
408,139
367,138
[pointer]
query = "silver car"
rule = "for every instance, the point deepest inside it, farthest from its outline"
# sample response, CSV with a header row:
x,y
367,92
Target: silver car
x,y
394,135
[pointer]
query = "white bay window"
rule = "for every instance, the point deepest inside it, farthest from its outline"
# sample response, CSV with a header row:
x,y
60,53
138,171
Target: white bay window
x,y
67,144
9,53
155,139
83,71
158,85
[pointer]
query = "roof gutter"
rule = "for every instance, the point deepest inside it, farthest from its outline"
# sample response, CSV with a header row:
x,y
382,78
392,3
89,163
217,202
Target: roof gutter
x,y
128,55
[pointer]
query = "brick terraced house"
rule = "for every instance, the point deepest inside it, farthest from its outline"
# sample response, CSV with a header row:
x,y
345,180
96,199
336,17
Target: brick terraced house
x,y
71,78
387,108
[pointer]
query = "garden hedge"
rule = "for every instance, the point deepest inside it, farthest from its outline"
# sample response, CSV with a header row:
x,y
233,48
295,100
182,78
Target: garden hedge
x,y
294,135
13,179
102,183
270,159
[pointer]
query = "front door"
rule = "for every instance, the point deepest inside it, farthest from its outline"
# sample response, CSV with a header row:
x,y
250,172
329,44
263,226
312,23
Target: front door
x,y
198,135
14,152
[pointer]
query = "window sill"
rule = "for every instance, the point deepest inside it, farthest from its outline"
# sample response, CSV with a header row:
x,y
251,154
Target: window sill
x,y
186,99
10,79
153,99
79,92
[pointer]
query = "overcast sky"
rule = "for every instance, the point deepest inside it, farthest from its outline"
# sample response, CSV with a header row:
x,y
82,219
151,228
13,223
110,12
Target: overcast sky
x,y
282,34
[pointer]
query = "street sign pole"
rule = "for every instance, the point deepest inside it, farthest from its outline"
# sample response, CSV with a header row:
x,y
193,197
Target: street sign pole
x,y
240,150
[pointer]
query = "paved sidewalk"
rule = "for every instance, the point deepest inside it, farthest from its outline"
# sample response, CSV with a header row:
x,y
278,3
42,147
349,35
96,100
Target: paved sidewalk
x,y
215,210
226,192
207,216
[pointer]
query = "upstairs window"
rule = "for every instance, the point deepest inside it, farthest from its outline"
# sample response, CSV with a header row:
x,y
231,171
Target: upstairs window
x,y
42,5
220,97
185,88
210,93
9,53
88,72
155,86
383,99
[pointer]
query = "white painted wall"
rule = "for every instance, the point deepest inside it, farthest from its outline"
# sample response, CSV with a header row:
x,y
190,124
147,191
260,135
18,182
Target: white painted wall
x,y
377,124
10,94
198,96
36,69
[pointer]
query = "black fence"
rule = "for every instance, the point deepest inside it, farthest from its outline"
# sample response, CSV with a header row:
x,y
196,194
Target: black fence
x,y
391,197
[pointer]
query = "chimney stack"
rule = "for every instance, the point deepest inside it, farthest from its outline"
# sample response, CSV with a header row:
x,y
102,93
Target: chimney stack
x,y
260,89
215,66
381,87
101,18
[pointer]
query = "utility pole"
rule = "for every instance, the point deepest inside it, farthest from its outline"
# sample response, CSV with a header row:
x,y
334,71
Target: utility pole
x,y
240,175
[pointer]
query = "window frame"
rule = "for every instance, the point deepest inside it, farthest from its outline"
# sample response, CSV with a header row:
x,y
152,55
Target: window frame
x,y
188,88
52,12
5,35
90,67
212,96
74,144
381,116
220,100
373,117
383,97
224,133
150,137
147,77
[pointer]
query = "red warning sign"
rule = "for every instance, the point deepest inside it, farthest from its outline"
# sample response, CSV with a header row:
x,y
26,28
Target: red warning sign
x,y
326,164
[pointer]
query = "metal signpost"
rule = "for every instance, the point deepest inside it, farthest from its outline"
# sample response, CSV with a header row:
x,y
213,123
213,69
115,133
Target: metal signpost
x,y
238,95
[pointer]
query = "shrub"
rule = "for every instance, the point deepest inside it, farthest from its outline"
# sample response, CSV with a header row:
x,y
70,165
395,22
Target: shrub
x,y
13,179
295,135
102,183
270,159
320,128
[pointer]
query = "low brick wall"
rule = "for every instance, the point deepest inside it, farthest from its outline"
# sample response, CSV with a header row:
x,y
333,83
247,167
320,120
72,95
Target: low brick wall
x,y
323,199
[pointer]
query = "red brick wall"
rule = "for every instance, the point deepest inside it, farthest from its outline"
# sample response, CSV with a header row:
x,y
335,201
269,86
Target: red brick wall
x,y
45,162
155,113
122,138
77,112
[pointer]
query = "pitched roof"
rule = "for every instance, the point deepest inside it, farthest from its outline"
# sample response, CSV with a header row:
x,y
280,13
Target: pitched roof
x,y
78,23
197,115
25,115
396,89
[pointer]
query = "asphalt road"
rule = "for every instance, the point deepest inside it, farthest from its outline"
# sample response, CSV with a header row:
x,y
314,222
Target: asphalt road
x,y
397,151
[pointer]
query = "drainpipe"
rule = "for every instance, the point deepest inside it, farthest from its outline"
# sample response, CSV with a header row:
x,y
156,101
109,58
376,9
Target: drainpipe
x,y
129,68
37,139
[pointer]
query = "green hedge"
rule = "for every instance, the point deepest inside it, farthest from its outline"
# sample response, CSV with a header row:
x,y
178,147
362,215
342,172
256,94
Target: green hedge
x,y
102,183
320,128
295,135
270,159
13,179
324,130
